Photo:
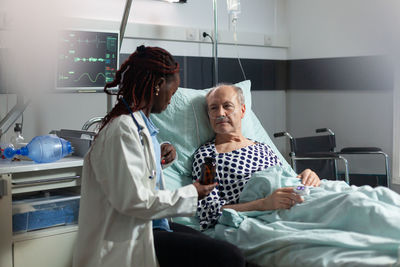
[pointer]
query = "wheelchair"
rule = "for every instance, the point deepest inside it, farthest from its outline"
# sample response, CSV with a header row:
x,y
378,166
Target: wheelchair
x,y
318,153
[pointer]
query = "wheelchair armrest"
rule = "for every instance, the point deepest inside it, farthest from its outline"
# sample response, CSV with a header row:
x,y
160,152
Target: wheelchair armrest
x,y
360,150
280,134
318,155
323,130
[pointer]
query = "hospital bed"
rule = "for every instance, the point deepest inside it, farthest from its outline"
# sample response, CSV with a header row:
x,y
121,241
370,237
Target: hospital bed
x,y
185,124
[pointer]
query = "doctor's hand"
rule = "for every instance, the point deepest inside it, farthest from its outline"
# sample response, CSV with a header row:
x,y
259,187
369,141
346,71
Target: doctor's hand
x,y
309,178
204,190
168,153
281,198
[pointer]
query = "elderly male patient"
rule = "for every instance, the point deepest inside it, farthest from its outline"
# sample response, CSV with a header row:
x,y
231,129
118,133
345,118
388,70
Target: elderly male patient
x,y
335,224
237,158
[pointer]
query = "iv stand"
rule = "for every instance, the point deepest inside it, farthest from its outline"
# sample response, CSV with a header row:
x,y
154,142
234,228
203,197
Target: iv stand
x,y
215,44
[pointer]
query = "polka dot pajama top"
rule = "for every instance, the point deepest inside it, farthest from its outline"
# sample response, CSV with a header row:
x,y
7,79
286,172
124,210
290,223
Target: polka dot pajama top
x,y
233,170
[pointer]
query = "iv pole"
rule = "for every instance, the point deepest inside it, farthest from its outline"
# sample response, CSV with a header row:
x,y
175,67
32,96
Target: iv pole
x,y
215,43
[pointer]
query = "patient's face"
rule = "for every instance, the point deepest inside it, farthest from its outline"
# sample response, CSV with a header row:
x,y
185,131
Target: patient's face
x,y
224,111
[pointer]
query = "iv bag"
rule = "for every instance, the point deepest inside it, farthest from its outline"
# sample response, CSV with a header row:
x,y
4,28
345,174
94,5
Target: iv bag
x,y
233,6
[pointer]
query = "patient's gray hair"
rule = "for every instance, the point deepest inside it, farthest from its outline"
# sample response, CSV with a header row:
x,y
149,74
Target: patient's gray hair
x,y
238,90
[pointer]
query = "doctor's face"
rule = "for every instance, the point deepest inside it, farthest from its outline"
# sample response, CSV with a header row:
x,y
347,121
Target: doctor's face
x,y
167,88
225,111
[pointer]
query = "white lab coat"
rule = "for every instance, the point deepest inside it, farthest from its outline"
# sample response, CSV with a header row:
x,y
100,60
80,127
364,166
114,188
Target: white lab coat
x,y
119,200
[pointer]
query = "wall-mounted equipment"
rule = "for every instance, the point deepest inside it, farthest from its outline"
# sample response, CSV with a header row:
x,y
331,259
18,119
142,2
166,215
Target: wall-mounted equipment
x,y
86,60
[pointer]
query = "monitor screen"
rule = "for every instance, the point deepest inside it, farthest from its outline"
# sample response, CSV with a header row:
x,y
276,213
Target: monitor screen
x,y
87,60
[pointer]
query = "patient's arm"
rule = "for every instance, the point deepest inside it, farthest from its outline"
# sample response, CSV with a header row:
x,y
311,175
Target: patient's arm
x,y
282,198
309,178
209,209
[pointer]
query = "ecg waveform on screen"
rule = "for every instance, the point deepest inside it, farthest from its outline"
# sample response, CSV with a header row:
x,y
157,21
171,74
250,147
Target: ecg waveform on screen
x,y
92,80
87,59
91,59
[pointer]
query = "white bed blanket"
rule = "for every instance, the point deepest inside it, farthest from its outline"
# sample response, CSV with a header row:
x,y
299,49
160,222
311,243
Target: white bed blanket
x,y
336,225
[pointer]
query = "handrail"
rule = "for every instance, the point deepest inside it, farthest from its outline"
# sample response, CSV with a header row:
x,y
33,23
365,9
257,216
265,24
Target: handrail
x,y
13,114
90,122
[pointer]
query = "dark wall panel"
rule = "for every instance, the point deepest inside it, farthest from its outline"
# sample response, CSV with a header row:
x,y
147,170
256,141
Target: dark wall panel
x,y
264,74
349,73
367,73
198,72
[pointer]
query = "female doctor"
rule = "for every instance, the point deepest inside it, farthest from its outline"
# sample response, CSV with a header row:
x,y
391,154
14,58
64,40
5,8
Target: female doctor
x,y
123,205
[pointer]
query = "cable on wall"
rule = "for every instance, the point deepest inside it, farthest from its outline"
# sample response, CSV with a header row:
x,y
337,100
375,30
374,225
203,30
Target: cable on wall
x,y
213,64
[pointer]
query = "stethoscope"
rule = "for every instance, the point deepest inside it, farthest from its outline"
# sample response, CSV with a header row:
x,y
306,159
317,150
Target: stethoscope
x,y
140,132
139,128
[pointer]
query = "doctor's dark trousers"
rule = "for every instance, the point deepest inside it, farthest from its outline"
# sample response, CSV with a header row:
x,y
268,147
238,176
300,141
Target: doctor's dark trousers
x,y
188,247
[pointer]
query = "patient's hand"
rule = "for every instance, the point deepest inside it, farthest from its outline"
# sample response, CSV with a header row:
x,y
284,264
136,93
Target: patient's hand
x,y
309,178
204,190
282,198
168,153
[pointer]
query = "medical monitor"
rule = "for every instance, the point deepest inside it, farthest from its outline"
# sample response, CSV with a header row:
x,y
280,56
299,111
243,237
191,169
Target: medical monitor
x,y
86,60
